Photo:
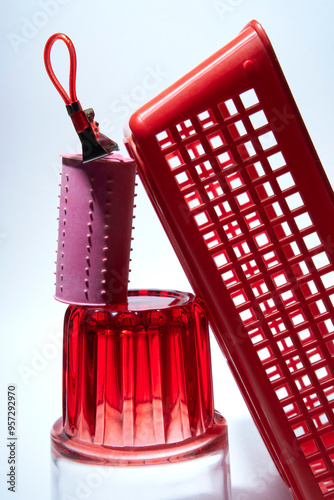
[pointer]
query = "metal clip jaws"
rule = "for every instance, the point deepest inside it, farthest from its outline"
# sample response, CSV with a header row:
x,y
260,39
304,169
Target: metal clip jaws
x,y
94,144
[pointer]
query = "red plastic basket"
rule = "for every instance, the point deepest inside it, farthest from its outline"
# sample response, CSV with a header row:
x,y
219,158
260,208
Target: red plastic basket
x,y
237,184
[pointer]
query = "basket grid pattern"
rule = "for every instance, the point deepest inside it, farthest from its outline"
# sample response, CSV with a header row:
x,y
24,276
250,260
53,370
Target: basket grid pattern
x,y
251,215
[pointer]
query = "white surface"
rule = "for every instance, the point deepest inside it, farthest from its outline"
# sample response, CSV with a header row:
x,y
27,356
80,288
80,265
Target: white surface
x,y
128,51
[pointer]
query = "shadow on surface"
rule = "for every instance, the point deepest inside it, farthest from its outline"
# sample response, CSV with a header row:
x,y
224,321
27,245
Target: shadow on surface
x,y
254,475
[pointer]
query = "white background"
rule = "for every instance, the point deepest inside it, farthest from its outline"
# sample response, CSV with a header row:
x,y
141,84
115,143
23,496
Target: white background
x,y
118,44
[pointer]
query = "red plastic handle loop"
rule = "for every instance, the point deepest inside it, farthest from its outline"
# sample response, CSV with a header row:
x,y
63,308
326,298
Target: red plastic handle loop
x,y
68,99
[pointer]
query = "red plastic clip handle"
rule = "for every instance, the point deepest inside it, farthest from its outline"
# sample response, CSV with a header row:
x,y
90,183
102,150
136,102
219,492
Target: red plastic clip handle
x,y
74,108
68,99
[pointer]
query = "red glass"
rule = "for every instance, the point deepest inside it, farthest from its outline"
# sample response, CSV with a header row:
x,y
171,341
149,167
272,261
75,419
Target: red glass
x,y
137,386
237,184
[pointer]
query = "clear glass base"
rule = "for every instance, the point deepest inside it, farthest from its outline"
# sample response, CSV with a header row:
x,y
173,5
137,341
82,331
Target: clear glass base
x,y
195,469
203,478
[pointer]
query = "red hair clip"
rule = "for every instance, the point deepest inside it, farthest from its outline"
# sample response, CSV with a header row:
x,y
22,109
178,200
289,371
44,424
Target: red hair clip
x,y
94,144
